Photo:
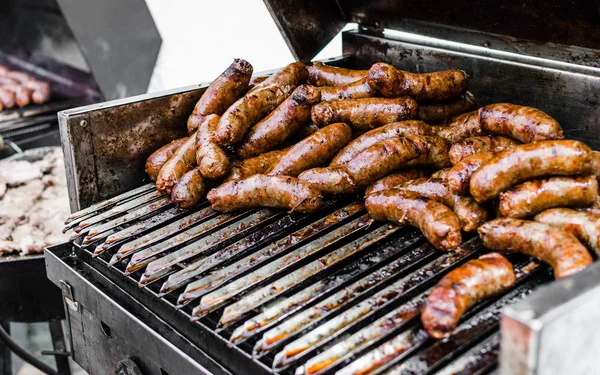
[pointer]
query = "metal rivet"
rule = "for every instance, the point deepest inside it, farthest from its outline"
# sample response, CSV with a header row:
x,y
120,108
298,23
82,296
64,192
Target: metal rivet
x,y
83,123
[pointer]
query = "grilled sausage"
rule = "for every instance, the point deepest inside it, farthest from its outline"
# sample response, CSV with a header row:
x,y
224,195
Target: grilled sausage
x,y
460,127
435,152
596,163
3,70
526,124
355,90
182,161
254,81
437,222
459,176
594,209
222,92
313,151
330,180
364,114
212,161
21,93
293,75
304,131
265,191
560,249
395,179
585,226
474,145
280,124
320,74
189,190
463,288
532,197
247,111
433,113
256,165
389,81
159,157
528,161
41,93
7,98
470,214
441,173
368,139
20,77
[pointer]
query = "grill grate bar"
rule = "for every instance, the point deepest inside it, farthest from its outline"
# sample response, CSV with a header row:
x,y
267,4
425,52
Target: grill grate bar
x,y
478,360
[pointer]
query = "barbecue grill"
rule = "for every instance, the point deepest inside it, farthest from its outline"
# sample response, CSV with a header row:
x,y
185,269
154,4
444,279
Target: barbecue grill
x,y
160,290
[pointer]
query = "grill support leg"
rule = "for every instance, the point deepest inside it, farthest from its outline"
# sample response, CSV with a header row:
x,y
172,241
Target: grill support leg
x,y
58,344
5,353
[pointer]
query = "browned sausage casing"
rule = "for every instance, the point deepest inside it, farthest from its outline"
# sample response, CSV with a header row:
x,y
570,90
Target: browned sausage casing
x,y
254,81
459,176
463,288
257,165
528,161
434,113
265,191
189,190
532,197
470,213
280,124
159,157
313,151
441,173
355,90
390,81
222,92
182,161
293,75
368,139
596,163
585,226
434,152
560,249
304,131
474,145
7,98
22,94
212,161
364,114
330,180
594,209
437,222
526,124
395,179
460,127
320,74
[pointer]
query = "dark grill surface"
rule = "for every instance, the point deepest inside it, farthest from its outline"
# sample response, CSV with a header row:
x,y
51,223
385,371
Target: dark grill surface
x,y
265,291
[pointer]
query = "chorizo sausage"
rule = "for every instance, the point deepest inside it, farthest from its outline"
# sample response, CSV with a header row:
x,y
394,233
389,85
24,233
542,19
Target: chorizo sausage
x,y
395,179
585,226
560,249
355,90
189,190
475,145
222,92
313,151
182,161
265,191
460,127
526,124
532,197
433,113
368,139
320,74
364,114
280,124
212,161
437,222
159,157
463,288
528,161
459,175
390,81
329,180
256,165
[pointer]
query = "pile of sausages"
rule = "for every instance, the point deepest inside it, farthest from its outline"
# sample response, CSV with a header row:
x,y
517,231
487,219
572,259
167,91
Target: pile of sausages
x,y
19,89
418,150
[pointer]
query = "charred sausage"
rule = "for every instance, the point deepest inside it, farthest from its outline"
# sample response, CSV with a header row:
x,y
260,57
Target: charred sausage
x,y
330,180
441,173
526,124
532,197
7,98
395,179
364,114
280,124
254,81
304,131
437,222
474,145
463,288
212,161
560,249
528,161
459,176
265,191
389,81
355,90
256,165
222,92
320,74
460,127
368,139
159,157
182,161
189,190
435,152
433,113
313,151
293,75
585,226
